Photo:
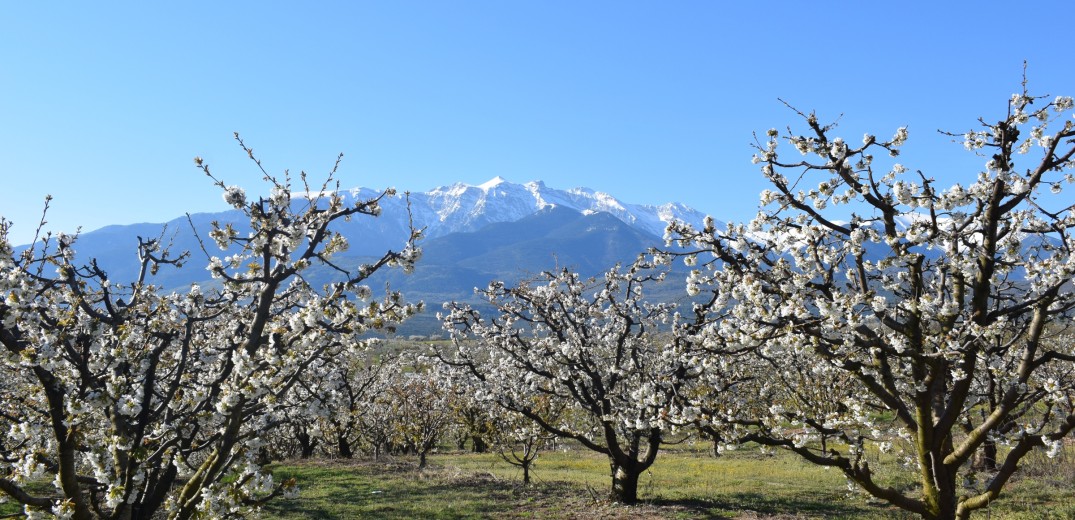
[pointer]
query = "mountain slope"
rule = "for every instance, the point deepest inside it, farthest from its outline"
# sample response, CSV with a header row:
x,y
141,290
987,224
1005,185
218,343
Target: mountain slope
x,y
474,234
454,264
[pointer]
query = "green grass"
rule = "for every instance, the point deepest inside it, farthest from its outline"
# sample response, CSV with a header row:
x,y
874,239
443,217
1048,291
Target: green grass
x,y
567,485
683,484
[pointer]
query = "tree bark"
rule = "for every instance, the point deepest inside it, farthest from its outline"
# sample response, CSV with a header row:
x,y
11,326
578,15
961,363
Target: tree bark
x,y
478,444
343,447
307,443
624,485
986,458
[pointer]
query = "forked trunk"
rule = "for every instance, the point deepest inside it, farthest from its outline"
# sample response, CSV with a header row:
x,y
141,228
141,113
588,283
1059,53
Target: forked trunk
x,y
945,497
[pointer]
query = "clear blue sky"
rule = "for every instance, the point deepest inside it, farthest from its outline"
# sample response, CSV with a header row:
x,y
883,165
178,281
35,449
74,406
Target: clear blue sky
x,y
105,104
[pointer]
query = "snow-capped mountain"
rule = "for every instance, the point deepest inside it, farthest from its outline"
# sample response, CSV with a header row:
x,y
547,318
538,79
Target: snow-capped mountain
x,y
463,207
496,230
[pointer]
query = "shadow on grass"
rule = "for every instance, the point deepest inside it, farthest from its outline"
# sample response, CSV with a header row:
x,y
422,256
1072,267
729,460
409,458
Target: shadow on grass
x,y
399,491
736,505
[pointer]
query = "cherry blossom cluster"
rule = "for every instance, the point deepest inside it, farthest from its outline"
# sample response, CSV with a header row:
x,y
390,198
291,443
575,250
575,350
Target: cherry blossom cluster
x,y
928,322
136,402
593,351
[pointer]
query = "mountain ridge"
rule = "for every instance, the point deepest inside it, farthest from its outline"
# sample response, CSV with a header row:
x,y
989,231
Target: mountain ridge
x,y
474,234
466,207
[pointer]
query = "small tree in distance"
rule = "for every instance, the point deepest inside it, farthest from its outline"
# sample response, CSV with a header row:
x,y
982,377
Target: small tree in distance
x,y
139,404
938,315
520,440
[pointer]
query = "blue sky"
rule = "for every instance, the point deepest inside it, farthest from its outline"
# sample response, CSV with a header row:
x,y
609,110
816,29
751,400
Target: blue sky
x,y
104,105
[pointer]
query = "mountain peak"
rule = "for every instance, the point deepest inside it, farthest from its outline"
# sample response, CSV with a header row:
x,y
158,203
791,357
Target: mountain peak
x,y
492,183
466,207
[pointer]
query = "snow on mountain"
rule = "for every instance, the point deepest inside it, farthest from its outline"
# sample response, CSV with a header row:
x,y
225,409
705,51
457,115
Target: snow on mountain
x,y
479,211
462,207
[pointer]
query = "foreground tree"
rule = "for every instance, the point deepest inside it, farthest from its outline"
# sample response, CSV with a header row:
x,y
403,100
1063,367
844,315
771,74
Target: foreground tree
x,y
588,347
934,317
134,403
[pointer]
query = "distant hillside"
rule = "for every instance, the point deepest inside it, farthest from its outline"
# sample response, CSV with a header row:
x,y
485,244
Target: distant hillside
x,y
474,234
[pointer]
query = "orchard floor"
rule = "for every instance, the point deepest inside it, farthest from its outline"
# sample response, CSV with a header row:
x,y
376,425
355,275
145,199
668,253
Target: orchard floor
x,y
683,484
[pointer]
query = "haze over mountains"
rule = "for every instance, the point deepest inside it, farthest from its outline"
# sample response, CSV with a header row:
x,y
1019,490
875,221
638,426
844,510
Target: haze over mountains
x,y
497,230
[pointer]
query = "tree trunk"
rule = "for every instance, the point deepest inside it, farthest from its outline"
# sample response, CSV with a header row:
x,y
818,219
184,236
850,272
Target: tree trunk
x,y
67,446
153,500
306,443
946,493
986,458
624,485
478,444
343,447
526,471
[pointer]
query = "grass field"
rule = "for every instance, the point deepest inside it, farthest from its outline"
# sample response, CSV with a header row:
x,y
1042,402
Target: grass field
x,y
683,484
574,484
